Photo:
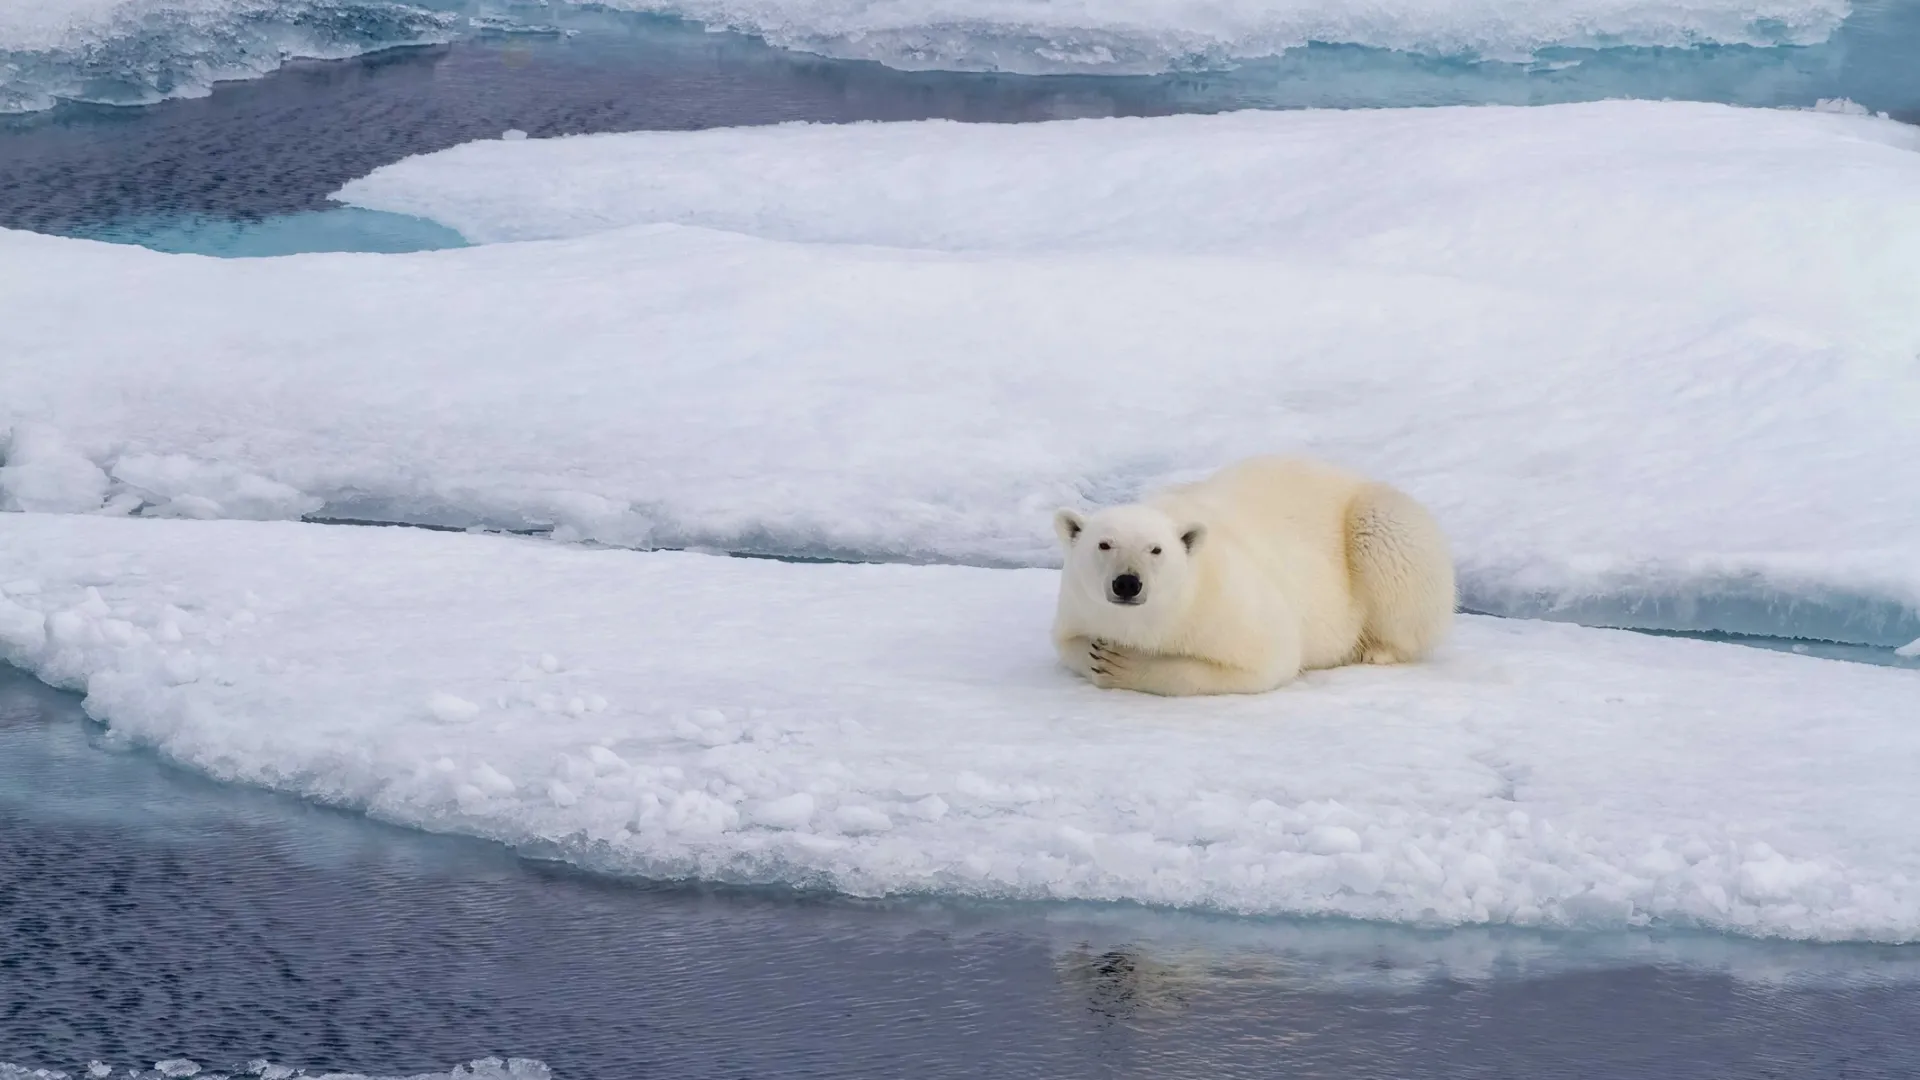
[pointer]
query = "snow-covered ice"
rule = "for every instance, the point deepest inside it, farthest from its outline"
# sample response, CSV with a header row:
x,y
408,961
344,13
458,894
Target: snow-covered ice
x,y
142,50
1587,196
898,729
138,51
40,473
1628,351
199,28
1113,36
34,24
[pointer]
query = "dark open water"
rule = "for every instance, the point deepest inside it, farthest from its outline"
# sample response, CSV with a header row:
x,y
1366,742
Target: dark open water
x,y
149,915
281,144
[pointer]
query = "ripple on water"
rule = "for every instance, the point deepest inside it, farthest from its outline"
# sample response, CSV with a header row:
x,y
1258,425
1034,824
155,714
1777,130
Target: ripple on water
x,y
152,918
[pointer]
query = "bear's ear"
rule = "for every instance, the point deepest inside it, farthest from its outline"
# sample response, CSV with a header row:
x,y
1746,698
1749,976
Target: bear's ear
x,y
1068,524
1192,537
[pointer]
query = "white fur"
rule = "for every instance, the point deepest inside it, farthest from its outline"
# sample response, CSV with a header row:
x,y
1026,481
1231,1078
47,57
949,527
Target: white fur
x,y
1268,568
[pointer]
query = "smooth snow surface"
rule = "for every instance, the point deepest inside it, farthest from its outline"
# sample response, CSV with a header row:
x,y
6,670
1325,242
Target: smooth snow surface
x,y
1578,195
896,729
1635,355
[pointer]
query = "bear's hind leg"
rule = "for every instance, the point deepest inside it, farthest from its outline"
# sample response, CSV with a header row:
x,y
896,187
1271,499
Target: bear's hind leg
x,y
1402,576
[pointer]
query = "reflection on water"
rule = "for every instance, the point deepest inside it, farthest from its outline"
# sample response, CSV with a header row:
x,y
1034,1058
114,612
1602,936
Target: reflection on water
x,y
147,914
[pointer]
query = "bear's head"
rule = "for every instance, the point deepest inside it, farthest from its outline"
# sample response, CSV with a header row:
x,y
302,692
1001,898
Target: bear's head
x,y
1134,562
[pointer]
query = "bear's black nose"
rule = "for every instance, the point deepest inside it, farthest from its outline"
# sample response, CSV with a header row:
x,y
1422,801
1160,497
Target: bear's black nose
x,y
1126,586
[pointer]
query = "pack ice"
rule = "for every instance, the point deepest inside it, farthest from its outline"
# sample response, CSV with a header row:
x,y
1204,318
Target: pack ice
x,y
894,729
1649,362
1121,36
142,51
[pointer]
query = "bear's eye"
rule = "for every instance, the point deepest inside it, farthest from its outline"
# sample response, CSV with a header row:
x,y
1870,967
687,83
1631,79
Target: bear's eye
x,y
1104,546
1156,551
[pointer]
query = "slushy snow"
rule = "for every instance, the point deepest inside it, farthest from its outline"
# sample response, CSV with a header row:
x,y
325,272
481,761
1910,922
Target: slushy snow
x,y
904,730
1633,354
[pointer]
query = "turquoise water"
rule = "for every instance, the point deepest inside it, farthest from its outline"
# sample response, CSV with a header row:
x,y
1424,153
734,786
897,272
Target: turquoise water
x,y
1883,655
343,229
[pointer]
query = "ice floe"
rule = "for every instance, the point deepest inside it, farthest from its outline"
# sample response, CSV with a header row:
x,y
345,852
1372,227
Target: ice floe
x,y
897,729
1641,358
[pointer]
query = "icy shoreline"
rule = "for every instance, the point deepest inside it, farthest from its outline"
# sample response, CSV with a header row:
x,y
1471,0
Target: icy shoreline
x,y
142,51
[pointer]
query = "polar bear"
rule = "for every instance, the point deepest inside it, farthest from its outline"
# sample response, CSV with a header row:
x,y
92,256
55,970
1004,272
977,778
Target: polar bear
x,y
1239,582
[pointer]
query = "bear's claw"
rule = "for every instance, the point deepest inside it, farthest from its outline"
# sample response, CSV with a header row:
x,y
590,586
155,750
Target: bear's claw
x,y
1106,663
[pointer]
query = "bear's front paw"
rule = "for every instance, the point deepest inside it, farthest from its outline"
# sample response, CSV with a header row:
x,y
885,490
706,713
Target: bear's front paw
x,y
1109,665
